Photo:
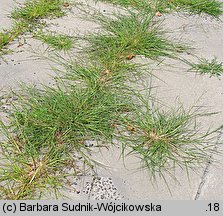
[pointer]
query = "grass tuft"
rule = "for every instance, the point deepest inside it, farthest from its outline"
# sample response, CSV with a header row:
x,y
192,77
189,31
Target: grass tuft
x,y
58,42
211,67
127,36
28,17
210,7
18,28
166,139
5,39
39,9
143,5
25,176
111,77
48,128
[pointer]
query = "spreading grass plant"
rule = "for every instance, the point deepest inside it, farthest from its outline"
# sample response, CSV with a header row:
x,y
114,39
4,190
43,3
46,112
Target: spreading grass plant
x,y
127,36
112,77
48,128
5,39
38,9
58,42
27,176
143,5
210,67
210,7
164,140
29,17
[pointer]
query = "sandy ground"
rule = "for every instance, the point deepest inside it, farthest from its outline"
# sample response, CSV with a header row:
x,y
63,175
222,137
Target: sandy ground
x,y
175,86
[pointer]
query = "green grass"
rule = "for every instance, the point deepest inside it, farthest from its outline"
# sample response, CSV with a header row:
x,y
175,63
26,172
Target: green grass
x,y
209,67
29,17
8,36
112,76
17,29
164,140
48,127
143,5
25,176
127,36
38,9
210,7
5,39
58,42
77,115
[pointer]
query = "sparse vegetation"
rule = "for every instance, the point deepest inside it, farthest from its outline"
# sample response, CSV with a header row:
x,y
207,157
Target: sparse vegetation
x,y
48,128
37,9
28,17
209,67
167,139
127,36
5,38
210,7
26,176
58,42
8,36
143,5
